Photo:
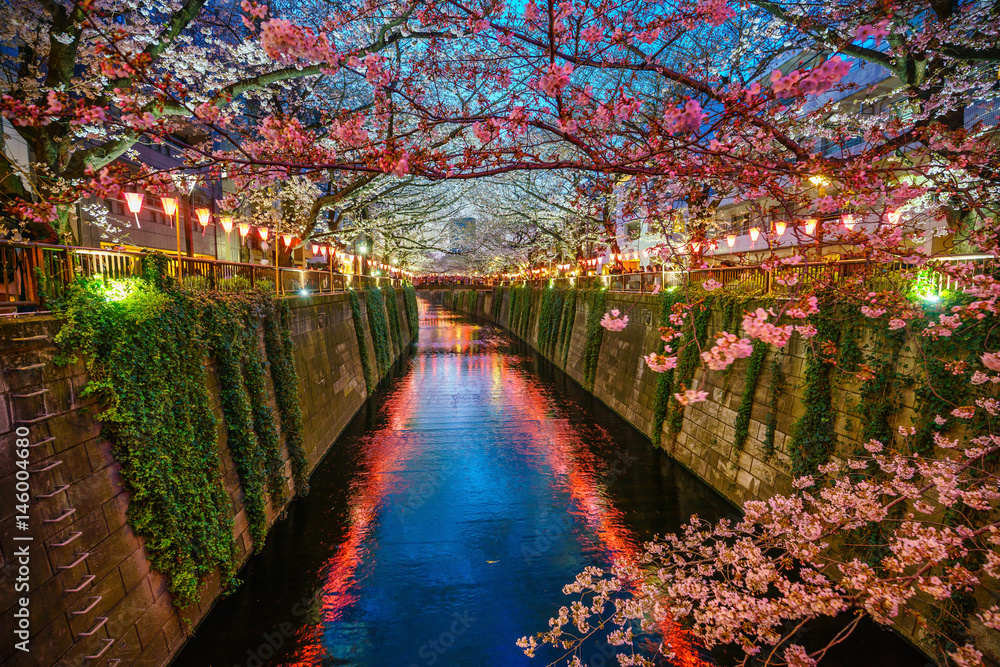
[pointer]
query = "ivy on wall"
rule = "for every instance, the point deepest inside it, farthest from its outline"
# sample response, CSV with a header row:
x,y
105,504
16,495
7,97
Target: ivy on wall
x,y
942,389
595,336
392,308
144,342
688,360
550,318
751,375
497,305
263,415
518,307
412,312
880,393
530,296
225,327
665,380
278,347
774,392
375,305
813,437
359,333
568,320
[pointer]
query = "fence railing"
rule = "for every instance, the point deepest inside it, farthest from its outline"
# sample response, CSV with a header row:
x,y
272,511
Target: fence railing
x,y
30,273
783,280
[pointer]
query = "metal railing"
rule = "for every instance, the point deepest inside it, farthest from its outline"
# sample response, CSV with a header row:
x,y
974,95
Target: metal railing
x,y
30,273
783,280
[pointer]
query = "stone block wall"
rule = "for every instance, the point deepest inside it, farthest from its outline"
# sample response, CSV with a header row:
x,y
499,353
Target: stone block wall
x,y
91,588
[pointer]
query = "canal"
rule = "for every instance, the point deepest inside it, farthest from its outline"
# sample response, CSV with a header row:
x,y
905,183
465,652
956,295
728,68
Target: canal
x,y
445,520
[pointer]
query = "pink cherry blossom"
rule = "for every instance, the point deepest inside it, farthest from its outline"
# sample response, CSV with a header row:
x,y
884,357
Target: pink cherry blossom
x,y
612,322
991,360
691,396
660,363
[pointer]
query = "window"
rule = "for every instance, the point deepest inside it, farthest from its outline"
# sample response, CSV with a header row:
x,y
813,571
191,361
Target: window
x,y
740,224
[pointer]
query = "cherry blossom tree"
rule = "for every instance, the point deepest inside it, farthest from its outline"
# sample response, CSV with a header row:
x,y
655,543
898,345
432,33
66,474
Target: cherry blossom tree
x,y
863,125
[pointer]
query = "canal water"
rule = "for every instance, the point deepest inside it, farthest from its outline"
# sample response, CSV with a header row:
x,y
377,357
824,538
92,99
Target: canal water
x,y
445,520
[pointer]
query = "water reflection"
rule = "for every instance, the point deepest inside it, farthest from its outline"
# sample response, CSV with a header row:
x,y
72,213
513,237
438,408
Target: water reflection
x,y
445,521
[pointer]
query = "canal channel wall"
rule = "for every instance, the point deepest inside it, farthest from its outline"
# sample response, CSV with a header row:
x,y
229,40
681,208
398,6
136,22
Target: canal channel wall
x,y
91,588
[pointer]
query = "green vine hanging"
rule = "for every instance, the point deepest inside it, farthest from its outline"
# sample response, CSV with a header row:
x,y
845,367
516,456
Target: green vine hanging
x,y
375,305
813,437
774,392
359,333
568,321
665,380
595,336
497,304
278,346
412,312
392,307
688,360
752,374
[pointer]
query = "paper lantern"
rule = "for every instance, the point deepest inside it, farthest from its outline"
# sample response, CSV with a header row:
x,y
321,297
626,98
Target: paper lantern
x,y
134,201
754,234
779,227
263,231
315,249
227,223
244,229
730,240
810,226
695,247
287,238
849,222
204,216
894,216
169,205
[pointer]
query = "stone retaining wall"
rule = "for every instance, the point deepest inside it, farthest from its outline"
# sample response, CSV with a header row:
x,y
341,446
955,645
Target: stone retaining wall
x,y
91,586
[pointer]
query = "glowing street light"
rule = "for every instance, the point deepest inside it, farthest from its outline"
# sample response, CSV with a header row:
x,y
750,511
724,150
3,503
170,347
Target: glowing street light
x,y
134,202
